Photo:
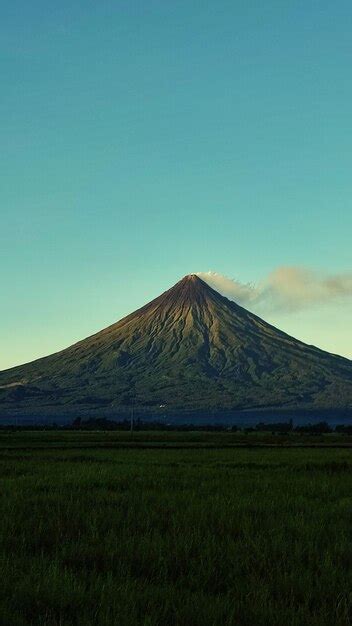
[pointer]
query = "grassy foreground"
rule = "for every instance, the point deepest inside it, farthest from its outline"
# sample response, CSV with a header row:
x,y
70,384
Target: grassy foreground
x,y
173,529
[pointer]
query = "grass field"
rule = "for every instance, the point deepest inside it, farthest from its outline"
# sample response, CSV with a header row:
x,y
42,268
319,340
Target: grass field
x,y
174,529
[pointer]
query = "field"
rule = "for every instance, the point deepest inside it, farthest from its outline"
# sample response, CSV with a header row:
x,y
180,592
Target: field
x,y
175,529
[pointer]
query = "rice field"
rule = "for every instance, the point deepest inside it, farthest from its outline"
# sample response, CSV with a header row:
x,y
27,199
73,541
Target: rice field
x,y
174,528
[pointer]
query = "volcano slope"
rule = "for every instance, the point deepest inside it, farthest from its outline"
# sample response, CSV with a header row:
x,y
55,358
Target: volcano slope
x,y
189,349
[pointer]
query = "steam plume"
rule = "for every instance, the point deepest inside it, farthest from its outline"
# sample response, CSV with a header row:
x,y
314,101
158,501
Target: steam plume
x,y
285,289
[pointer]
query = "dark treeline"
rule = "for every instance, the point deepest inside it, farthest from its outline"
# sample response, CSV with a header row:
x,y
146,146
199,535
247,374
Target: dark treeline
x,y
104,424
123,425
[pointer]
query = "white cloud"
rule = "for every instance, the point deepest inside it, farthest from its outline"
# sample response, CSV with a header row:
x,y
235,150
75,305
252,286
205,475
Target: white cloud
x,y
284,289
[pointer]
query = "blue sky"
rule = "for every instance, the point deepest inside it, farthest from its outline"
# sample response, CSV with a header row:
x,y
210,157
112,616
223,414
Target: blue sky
x,y
141,141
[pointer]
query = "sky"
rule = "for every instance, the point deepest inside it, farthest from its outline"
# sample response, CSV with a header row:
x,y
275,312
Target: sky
x,y
142,141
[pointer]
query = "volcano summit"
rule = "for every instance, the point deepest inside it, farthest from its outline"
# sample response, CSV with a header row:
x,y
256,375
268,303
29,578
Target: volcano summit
x,y
189,349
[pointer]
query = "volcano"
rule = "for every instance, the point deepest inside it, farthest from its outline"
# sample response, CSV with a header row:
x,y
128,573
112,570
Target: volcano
x,y
190,349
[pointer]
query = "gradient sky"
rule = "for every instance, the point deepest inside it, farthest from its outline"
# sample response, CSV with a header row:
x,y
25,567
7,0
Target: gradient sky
x,y
141,141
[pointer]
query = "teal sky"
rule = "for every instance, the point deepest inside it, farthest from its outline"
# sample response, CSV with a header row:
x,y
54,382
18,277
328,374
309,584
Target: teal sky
x,y
141,141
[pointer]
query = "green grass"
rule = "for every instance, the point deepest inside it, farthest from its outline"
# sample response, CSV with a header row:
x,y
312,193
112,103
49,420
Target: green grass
x,y
209,534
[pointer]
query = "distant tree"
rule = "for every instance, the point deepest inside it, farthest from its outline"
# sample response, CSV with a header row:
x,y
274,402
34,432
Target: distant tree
x,y
314,429
344,429
278,427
